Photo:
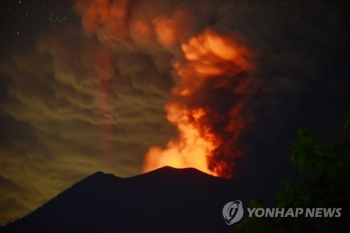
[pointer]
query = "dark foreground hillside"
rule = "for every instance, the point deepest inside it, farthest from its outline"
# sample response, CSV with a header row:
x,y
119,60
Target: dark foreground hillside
x,y
165,200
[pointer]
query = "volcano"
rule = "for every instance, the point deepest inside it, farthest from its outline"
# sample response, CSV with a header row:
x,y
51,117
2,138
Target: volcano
x,y
164,200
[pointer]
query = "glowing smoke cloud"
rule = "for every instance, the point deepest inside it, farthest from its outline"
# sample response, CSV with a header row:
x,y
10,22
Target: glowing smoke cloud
x,y
211,63
213,74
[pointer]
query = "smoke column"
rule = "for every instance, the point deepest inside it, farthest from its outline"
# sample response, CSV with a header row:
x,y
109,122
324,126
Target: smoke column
x,y
208,131
211,68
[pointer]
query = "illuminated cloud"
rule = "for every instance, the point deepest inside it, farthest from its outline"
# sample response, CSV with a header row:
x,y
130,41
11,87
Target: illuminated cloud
x,y
93,98
85,109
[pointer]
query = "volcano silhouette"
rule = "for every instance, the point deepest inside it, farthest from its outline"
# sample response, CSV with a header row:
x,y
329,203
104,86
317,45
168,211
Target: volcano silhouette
x,y
164,200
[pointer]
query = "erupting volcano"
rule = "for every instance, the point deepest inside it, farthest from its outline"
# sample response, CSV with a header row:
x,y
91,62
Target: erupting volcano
x,y
208,131
212,71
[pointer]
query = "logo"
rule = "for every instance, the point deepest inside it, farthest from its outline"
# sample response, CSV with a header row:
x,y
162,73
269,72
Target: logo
x,y
233,212
295,212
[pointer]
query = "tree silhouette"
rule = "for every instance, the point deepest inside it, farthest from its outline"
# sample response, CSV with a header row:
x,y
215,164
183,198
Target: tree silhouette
x,y
326,184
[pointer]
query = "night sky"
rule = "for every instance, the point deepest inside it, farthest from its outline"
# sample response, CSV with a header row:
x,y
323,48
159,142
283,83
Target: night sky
x,y
83,86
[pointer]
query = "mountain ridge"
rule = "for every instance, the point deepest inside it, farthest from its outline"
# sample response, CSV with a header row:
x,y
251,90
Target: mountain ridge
x,y
166,199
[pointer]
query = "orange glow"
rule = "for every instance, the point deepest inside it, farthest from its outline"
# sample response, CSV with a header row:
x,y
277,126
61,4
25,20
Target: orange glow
x,y
165,31
210,55
213,73
98,14
142,33
168,29
190,149
207,56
